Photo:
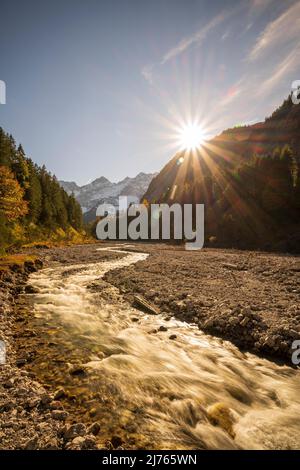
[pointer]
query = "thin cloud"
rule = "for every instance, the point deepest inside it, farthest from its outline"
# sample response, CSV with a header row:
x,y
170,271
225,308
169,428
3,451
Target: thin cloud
x,y
262,4
288,65
147,73
196,38
284,29
255,84
226,35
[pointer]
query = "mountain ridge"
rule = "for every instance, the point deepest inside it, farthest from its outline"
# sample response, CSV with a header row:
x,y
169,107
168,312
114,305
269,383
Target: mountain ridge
x,y
101,191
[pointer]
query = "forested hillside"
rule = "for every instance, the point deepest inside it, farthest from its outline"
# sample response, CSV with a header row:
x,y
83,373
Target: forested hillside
x,y
279,129
33,206
249,181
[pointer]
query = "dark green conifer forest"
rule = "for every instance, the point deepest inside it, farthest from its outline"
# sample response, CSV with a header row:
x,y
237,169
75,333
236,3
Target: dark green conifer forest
x,y
33,205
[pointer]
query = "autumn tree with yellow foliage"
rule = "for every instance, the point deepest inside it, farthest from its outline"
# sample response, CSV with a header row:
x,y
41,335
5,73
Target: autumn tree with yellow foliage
x,y
12,204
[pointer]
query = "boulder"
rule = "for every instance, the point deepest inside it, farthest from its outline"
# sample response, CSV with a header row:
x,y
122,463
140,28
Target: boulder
x,y
60,415
220,415
94,429
74,430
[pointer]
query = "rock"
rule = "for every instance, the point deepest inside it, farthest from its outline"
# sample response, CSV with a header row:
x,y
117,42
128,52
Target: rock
x,y
9,383
209,323
108,445
116,441
94,429
172,336
75,444
82,443
93,412
294,334
39,263
284,346
32,444
20,362
247,312
220,415
89,442
270,341
56,405
74,430
233,321
245,321
141,302
16,268
162,328
32,403
77,371
60,393
52,444
178,304
21,392
30,289
29,266
60,415
46,399
43,427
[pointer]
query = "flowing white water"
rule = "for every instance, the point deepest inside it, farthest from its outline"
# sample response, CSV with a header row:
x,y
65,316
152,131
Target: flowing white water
x,y
163,387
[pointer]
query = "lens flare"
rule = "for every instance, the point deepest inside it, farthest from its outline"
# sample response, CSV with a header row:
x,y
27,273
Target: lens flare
x,y
191,136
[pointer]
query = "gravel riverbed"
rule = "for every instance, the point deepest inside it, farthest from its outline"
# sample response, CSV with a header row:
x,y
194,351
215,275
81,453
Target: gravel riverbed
x,y
249,298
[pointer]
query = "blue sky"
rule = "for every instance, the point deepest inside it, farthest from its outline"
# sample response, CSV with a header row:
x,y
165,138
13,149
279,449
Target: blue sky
x,y
102,87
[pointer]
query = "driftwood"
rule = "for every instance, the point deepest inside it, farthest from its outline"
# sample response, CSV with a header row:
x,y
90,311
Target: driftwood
x,y
238,267
142,303
231,266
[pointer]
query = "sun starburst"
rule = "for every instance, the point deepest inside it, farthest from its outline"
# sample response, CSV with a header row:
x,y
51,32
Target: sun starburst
x,y
191,136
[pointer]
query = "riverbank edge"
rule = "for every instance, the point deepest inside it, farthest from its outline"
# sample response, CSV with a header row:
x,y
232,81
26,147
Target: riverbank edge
x,y
31,417
25,421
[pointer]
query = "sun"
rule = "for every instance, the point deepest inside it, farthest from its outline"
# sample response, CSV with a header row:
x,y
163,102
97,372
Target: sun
x,y
191,136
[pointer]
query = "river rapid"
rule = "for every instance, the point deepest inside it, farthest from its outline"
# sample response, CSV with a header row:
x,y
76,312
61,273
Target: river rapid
x,y
190,392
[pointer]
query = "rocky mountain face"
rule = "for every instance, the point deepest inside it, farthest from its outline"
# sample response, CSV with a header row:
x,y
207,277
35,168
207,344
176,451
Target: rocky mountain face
x,y
101,191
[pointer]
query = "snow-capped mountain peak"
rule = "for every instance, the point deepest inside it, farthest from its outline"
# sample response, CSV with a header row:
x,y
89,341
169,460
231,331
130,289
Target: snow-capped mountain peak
x,y
101,191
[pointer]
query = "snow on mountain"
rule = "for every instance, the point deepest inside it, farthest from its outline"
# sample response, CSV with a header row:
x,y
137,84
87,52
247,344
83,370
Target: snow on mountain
x,y
101,191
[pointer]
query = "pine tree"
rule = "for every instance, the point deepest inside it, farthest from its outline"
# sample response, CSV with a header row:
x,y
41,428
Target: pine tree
x,y
33,193
19,166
